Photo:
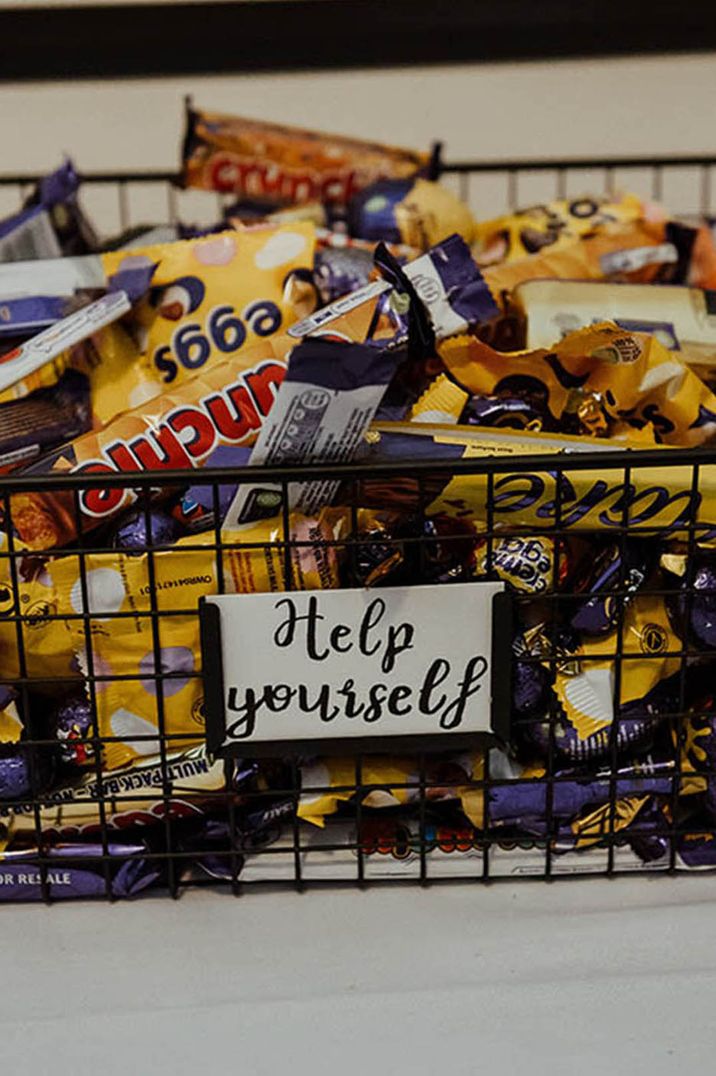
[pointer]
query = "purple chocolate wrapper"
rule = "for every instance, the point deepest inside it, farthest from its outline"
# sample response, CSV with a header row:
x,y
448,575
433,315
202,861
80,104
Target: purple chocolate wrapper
x,y
71,722
44,419
69,873
599,614
131,532
340,270
512,412
15,772
371,213
573,791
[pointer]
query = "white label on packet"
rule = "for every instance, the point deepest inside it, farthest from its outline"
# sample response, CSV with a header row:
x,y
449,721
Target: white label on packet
x,y
51,276
34,238
307,422
47,345
314,323
628,261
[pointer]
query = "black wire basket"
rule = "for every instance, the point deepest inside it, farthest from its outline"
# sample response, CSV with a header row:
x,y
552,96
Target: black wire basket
x,y
638,798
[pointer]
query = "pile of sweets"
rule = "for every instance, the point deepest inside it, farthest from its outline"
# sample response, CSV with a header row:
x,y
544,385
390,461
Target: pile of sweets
x,y
586,324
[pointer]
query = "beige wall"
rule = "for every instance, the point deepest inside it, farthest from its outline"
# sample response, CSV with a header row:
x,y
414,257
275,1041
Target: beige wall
x,y
591,107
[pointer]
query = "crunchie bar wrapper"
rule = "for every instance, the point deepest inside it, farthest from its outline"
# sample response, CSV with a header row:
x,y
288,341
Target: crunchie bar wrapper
x,y
285,165
178,429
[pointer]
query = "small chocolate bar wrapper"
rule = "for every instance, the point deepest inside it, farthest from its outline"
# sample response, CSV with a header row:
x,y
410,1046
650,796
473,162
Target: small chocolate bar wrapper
x,y
39,422
324,407
286,165
38,351
51,223
446,280
30,314
131,797
71,871
415,211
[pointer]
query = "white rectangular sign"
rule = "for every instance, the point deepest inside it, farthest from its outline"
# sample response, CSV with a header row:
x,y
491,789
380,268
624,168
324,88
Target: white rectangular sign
x,y
316,665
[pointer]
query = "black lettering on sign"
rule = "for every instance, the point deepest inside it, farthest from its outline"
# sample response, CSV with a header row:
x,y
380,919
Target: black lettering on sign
x,y
347,663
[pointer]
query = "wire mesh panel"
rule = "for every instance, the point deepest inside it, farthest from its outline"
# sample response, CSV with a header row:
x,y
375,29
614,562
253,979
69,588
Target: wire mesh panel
x,y
612,715
608,765
684,183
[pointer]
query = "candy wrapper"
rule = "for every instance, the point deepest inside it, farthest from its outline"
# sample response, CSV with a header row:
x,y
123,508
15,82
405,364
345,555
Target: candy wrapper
x,y
412,211
77,870
589,499
552,226
585,685
43,420
27,315
698,753
329,396
682,319
181,428
40,361
132,797
51,222
343,265
444,285
519,796
643,252
594,381
285,164
214,296
125,646
396,780
610,569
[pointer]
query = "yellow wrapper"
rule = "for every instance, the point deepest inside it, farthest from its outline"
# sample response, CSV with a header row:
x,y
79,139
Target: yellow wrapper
x,y
397,779
73,810
598,824
634,379
638,252
285,164
119,374
585,686
695,741
554,225
430,213
44,378
125,646
47,644
527,564
218,295
655,497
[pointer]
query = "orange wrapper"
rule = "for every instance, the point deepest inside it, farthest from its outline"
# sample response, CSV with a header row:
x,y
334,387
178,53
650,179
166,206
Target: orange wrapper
x,y
639,252
285,164
179,429
618,380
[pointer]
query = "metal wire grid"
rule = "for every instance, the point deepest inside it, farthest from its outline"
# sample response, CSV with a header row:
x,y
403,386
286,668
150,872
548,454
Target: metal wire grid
x,y
374,846
649,174
369,835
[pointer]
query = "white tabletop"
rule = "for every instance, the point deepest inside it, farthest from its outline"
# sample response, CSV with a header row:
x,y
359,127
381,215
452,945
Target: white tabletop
x,y
573,977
